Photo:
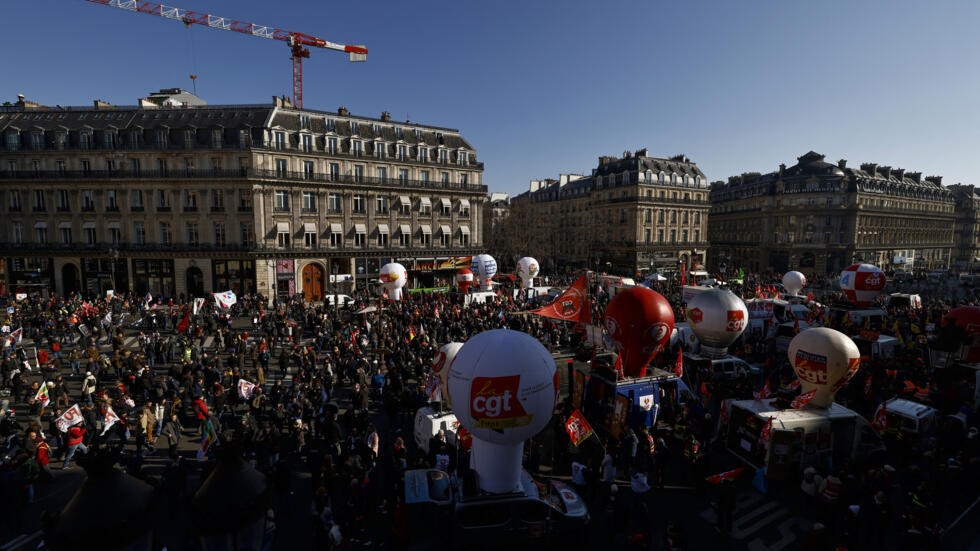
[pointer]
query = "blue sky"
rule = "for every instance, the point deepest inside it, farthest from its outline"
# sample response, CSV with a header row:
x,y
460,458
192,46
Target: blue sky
x,y
542,87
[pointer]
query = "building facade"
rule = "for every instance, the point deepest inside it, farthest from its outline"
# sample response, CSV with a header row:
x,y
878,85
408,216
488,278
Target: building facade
x,y
636,213
966,247
177,197
818,217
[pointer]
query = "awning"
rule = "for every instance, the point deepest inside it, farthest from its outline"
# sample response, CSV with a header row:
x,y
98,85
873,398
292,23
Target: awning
x,y
383,228
404,200
446,203
86,225
113,225
405,229
41,225
64,224
427,230
445,229
336,228
360,228
465,230
464,204
426,202
309,227
282,227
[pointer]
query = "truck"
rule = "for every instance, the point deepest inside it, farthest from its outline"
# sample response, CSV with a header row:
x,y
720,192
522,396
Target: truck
x,y
800,438
912,418
857,315
429,421
903,300
875,345
698,369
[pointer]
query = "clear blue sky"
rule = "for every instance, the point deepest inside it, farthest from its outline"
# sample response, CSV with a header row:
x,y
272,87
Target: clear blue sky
x,y
542,87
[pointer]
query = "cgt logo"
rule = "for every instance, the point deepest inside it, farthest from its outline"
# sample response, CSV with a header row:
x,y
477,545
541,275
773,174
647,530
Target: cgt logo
x,y
494,403
736,321
873,280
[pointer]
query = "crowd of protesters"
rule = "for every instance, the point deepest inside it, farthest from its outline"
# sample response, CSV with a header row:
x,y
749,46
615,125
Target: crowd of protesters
x,y
336,392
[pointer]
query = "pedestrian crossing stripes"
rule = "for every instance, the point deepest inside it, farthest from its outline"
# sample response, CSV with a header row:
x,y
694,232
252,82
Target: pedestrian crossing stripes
x,y
764,523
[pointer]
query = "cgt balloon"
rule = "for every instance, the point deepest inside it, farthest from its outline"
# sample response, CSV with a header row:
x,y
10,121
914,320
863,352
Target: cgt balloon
x,y
441,364
794,281
824,360
639,322
717,317
862,283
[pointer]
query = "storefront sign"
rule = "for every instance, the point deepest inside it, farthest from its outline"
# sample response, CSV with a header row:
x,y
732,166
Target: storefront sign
x,y
285,266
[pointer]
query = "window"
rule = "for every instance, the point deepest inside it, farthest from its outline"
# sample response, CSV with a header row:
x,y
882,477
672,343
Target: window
x,y
463,157
162,139
86,166
282,239
382,239
134,167
424,154
216,138
646,217
110,201
88,200
309,239
405,239
66,235
115,236
245,199
161,167
217,199
63,202
18,233
646,235
219,234
355,128
381,206
333,202
359,238
402,175
402,152
332,146
382,173
38,200
357,204
673,236
358,173
424,175
684,217
89,235
14,201
334,172
445,207
84,140
444,177
684,236
279,140
163,200
463,179
306,143
281,201
192,236
247,234
464,208
425,208
336,238
59,166
13,141
425,240
41,235
190,201
304,121
443,156
673,217
139,233
281,168
188,139
697,216
357,147
166,234
464,238
308,170
309,201
444,239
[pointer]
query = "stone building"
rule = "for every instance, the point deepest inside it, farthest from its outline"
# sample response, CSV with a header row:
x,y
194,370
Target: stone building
x,y
818,217
175,196
636,213
966,246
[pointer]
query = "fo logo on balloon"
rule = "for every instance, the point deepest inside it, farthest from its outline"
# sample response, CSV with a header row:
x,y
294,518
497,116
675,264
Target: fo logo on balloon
x,y
494,403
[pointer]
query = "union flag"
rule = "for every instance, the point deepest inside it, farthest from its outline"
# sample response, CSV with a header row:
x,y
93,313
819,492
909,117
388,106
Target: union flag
x,y
802,400
572,305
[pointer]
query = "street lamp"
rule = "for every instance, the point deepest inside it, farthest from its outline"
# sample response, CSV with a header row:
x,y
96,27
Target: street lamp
x,y
113,257
230,509
110,507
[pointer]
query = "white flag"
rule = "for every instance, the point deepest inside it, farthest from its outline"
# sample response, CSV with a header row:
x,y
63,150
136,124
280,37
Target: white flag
x,y
110,419
72,416
17,336
226,299
148,297
198,303
245,389
20,296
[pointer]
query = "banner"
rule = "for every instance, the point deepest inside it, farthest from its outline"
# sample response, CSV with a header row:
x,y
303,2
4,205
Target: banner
x,y
198,304
226,299
577,427
42,395
110,419
72,416
245,389
572,305
727,475
16,336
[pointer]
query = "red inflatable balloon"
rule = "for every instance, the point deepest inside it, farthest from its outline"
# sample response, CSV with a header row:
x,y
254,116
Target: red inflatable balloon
x,y
639,322
968,318
464,278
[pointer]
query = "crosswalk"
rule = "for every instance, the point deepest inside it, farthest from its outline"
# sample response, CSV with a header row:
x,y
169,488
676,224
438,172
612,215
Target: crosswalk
x,y
764,524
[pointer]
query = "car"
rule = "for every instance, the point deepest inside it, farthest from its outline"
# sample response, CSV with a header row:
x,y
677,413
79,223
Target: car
x,y
337,300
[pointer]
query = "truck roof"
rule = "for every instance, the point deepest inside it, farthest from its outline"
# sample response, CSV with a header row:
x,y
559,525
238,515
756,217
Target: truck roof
x,y
765,408
908,408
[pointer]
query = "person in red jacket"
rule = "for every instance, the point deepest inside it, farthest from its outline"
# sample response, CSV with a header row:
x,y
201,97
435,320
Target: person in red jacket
x,y
75,436
43,456
201,411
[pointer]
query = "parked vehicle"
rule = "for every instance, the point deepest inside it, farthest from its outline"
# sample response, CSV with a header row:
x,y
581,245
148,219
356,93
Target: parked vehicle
x,y
909,417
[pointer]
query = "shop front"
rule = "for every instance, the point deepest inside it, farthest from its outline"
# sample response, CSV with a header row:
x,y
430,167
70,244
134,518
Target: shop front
x,y
154,276
100,275
285,279
434,273
30,275
233,275
368,270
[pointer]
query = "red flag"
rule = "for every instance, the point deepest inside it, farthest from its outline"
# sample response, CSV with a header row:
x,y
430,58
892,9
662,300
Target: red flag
x,y
572,305
679,364
796,324
794,385
766,433
577,427
881,420
704,389
766,392
809,297
683,275
802,400
727,475
182,326
618,368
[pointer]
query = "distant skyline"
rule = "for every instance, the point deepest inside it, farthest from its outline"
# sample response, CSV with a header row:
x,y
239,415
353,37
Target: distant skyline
x,y
542,88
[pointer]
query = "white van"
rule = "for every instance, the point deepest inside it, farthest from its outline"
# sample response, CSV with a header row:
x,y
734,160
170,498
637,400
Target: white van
x,y
881,348
479,297
903,300
337,300
908,416
428,423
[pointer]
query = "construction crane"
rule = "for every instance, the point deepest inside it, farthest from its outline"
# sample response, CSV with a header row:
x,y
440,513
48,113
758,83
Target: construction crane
x,y
297,42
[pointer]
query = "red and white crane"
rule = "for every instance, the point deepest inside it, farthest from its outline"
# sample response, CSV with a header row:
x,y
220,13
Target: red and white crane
x,y
296,41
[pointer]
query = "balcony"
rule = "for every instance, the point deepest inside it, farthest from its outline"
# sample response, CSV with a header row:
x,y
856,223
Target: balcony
x,y
218,208
112,208
190,208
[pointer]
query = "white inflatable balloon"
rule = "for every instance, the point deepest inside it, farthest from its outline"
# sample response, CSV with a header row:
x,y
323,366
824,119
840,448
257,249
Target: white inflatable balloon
x,y
794,281
441,363
824,360
484,267
717,317
527,270
394,276
503,385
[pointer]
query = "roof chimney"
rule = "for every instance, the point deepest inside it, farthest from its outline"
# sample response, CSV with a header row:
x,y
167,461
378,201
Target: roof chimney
x,y
842,164
915,176
938,180
870,168
342,110
782,168
99,104
886,171
641,152
385,116
899,173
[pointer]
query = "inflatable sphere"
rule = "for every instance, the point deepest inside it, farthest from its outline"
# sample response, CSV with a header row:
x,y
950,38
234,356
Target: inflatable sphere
x,y
464,278
394,276
717,317
503,388
639,322
441,363
824,360
484,267
862,283
527,270
794,281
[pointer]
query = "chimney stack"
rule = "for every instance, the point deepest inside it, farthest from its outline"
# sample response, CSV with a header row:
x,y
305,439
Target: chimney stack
x,y
385,116
342,110
870,168
938,180
842,164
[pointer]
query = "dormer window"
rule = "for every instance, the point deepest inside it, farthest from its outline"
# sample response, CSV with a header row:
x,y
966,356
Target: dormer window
x,y
304,121
377,130
355,128
188,138
463,157
400,133
418,134
331,125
